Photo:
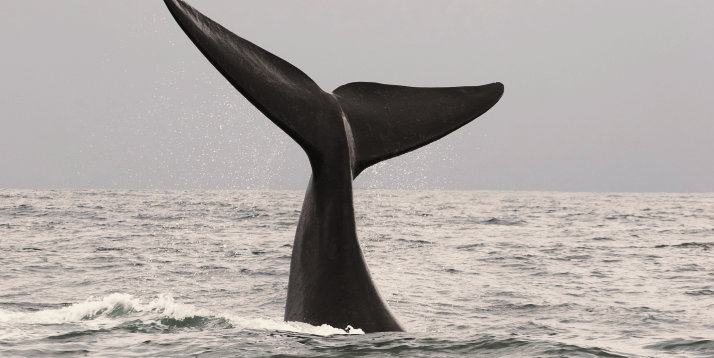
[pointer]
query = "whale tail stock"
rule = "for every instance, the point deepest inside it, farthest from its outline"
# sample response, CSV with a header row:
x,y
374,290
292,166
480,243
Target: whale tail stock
x,y
385,120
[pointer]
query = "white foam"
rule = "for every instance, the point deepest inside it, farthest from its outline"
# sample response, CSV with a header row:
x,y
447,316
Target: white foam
x,y
297,327
108,311
167,307
114,305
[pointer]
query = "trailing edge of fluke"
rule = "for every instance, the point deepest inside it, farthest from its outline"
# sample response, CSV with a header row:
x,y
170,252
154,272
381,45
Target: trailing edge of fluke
x,y
343,133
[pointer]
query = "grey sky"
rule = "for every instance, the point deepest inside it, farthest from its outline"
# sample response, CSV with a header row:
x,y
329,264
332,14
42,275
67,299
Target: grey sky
x,y
600,95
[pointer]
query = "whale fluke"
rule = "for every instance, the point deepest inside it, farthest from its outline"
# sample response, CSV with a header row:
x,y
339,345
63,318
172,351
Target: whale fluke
x,y
343,133
386,120
390,120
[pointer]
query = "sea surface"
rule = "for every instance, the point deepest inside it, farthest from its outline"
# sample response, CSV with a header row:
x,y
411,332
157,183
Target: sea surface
x,y
468,273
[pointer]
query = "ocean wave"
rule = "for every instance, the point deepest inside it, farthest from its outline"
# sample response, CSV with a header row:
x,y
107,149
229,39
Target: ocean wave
x,y
703,292
505,222
114,305
684,345
403,345
126,312
690,245
602,238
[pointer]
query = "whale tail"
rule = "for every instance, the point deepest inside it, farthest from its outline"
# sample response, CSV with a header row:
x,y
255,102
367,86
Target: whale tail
x,y
385,120
343,133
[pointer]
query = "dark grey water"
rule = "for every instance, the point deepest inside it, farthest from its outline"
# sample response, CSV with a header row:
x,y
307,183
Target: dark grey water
x,y
499,274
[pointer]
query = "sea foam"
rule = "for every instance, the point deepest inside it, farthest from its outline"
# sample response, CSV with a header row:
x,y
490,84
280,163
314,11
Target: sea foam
x,y
114,309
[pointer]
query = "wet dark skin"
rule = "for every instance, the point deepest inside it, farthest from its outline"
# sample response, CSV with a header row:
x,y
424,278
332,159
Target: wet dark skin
x,y
343,133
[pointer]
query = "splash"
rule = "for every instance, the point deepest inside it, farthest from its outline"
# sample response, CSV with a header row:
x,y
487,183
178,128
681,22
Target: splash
x,y
113,306
296,327
113,310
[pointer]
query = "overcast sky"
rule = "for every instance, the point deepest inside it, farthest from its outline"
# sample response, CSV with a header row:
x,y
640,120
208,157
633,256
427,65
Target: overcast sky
x,y
600,95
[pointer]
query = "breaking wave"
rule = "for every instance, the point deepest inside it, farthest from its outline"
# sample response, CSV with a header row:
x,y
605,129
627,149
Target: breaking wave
x,y
124,311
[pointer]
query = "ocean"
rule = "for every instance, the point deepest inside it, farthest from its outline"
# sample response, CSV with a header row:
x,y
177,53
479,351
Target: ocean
x,y
468,273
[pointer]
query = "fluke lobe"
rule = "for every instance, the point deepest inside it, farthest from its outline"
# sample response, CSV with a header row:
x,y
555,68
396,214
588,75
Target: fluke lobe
x,y
343,133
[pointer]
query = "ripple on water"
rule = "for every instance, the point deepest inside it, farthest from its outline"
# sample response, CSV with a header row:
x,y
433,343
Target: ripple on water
x,y
555,277
690,245
680,345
